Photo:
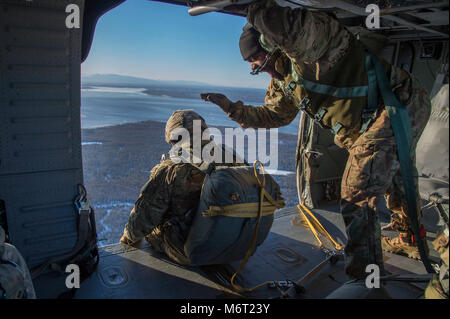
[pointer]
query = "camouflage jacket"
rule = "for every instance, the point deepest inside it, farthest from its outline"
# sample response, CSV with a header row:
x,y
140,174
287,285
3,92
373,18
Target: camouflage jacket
x,y
302,35
172,190
278,109
318,42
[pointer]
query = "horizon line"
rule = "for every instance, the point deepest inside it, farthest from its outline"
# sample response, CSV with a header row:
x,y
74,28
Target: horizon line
x,y
178,80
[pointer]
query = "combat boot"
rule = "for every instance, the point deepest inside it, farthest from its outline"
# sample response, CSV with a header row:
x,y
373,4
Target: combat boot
x,y
405,244
155,239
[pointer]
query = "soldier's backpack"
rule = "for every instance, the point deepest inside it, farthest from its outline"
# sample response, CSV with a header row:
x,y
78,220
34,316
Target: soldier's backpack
x,y
234,215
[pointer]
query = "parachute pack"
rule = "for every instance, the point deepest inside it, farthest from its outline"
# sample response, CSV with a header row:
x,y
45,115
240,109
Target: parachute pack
x,y
234,215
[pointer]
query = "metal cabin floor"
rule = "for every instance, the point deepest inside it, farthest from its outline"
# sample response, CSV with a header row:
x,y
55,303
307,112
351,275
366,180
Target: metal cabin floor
x,y
289,252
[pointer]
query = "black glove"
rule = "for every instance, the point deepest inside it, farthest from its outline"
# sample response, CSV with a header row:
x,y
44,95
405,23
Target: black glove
x,y
219,99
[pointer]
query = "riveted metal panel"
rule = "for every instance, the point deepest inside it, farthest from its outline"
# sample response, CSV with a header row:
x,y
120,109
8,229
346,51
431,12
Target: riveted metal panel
x,y
40,98
40,132
42,220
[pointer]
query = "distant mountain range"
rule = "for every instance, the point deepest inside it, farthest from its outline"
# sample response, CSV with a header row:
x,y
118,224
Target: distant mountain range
x,y
177,89
116,79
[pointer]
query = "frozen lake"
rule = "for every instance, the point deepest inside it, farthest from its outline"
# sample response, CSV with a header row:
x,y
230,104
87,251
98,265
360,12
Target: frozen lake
x,y
106,106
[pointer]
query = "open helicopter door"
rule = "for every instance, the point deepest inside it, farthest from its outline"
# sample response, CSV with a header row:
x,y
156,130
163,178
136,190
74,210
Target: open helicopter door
x,y
40,132
319,164
433,157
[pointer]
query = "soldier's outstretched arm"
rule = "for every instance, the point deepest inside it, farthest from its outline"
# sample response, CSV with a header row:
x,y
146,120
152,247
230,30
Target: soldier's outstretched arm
x,y
149,209
305,36
278,110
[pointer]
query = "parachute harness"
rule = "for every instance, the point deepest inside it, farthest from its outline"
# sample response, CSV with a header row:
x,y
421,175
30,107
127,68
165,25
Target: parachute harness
x,y
263,194
316,228
312,223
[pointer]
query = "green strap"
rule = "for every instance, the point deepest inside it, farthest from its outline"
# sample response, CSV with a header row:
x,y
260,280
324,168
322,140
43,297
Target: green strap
x,y
401,126
371,91
339,92
372,97
370,112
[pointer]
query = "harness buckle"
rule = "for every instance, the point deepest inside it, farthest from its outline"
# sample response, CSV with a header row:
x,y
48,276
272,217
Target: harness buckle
x,y
291,87
336,128
304,103
367,117
315,154
82,202
319,115
281,283
84,206
369,114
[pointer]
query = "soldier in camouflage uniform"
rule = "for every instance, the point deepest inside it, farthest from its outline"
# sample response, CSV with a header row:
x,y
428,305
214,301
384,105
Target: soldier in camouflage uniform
x,y
315,48
162,213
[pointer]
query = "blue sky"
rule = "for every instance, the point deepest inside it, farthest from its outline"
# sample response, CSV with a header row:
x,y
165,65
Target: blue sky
x,y
161,41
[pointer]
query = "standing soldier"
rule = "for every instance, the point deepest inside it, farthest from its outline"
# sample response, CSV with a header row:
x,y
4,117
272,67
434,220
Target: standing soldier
x,y
319,67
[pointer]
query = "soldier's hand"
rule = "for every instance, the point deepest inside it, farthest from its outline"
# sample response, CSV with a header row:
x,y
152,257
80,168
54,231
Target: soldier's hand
x,y
125,240
219,99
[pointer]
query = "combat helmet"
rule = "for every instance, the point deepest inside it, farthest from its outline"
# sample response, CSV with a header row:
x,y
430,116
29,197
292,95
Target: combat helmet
x,y
182,119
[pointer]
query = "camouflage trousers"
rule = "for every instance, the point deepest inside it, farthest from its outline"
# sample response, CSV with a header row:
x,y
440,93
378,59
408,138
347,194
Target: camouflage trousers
x,y
372,170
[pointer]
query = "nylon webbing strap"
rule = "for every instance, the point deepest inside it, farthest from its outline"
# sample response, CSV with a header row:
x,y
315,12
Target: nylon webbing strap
x,y
204,166
87,240
370,112
401,126
263,193
246,210
83,231
316,227
339,92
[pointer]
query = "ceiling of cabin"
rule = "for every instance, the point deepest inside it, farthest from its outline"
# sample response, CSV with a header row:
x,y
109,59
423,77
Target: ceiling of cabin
x,y
400,19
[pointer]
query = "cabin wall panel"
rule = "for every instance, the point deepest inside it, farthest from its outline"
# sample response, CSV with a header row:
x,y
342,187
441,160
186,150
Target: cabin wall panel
x,y
40,131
